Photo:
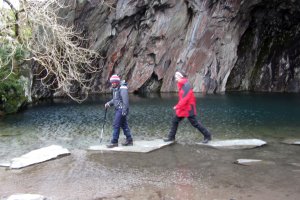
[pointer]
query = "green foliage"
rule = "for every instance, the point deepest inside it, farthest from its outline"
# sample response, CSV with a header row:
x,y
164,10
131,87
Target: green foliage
x,y
10,51
12,95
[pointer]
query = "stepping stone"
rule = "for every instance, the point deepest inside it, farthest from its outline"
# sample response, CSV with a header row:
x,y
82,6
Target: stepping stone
x,y
142,146
247,161
26,197
235,144
37,156
4,164
295,164
292,141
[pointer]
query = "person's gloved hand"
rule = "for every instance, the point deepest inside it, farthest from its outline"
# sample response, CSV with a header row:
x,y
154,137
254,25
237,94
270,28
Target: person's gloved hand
x,y
124,113
107,105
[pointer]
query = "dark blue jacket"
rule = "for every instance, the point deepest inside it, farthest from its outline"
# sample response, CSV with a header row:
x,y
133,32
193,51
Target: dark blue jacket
x,y
120,98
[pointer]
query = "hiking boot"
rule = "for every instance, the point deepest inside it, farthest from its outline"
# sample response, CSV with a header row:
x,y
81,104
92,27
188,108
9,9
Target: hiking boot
x,y
206,139
112,145
127,143
169,139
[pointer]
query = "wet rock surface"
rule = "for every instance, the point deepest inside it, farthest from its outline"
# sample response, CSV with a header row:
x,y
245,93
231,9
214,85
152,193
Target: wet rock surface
x,y
175,172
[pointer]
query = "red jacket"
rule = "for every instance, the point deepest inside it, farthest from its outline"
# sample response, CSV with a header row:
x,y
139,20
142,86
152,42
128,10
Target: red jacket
x,y
186,105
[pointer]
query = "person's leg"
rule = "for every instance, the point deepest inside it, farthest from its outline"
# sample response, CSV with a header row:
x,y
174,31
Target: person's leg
x,y
116,128
126,130
172,133
200,127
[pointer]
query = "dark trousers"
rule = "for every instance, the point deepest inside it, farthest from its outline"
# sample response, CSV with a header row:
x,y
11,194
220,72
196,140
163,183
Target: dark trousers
x,y
194,123
120,121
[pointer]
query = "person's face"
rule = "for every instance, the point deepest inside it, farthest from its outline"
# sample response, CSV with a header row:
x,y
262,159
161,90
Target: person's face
x,y
114,84
177,78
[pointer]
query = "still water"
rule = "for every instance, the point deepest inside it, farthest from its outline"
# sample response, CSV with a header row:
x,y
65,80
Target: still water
x,y
77,126
180,171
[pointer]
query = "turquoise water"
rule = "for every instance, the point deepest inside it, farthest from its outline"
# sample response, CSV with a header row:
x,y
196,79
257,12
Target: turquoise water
x,y
272,117
180,171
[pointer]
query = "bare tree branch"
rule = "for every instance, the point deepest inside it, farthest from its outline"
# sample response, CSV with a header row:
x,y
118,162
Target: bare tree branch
x,y
16,14
56,47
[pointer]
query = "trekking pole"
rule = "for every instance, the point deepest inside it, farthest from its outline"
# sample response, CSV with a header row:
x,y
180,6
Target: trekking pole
x,y
102,130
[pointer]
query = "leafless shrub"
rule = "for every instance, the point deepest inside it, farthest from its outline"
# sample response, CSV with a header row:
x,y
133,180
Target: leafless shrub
x,y
55,46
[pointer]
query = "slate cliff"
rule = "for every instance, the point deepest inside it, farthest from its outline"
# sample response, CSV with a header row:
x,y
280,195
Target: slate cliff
x,y
221,44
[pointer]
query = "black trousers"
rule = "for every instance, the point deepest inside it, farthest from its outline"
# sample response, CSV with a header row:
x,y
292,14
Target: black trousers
x,y
194,123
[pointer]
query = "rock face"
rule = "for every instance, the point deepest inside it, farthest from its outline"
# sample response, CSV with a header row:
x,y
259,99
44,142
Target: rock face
x,y
221,44
292,141
268,53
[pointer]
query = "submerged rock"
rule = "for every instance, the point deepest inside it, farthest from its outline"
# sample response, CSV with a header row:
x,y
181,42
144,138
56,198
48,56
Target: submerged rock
x,y
292,141
235,144
247,161
295,164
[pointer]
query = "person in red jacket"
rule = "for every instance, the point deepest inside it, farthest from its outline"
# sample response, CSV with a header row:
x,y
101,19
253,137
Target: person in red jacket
x,y
186,108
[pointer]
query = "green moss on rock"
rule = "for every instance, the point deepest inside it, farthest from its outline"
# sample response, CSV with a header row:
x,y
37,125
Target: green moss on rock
x,y
12,96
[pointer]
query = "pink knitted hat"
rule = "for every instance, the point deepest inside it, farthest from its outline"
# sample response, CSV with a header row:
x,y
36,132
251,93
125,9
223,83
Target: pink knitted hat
x,y
114,79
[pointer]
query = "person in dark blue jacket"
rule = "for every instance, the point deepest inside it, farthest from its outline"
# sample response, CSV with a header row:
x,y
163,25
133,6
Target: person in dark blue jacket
x,y
120,101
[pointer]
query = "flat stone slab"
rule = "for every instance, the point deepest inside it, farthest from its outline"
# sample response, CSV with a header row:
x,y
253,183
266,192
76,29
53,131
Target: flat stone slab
x,y
4,164
247,161
142,146
37,156
295,164
292,141
26,197
235,144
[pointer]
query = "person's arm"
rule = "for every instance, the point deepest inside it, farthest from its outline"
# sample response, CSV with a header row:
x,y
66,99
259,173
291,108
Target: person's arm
x,y
125,99
109,103
187,92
